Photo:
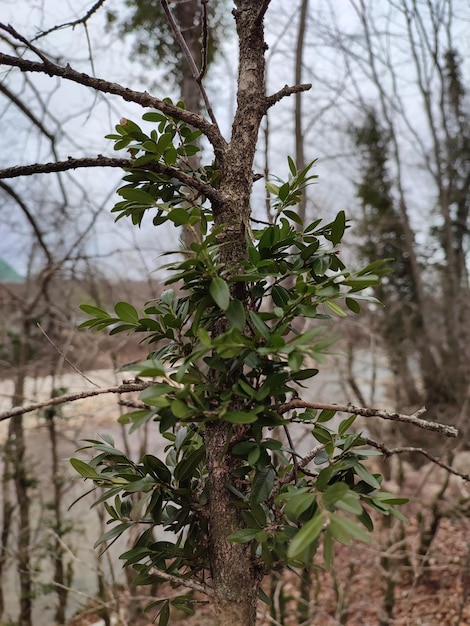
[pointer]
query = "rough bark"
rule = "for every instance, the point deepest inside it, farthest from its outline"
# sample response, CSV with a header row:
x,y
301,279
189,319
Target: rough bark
x,y
235,575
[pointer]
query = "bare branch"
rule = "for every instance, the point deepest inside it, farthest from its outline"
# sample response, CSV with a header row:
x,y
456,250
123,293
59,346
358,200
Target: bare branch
x,y
82,20
102,161
284,92
29,216
26,111
410,449
142,98
126,387
415,420
184,582
64,356
189,58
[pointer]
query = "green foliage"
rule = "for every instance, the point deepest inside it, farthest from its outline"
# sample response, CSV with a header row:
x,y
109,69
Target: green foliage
x,y
243,373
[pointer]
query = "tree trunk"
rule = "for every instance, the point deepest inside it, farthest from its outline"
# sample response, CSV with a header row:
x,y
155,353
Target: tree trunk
x,y
17,447
235,574
235,577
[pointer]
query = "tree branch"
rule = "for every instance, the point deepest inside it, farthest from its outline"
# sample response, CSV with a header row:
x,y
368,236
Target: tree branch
x,y
284,92
81,20
126,387
102,161
448,431
142,98
390,451
184,582
189,58
32,221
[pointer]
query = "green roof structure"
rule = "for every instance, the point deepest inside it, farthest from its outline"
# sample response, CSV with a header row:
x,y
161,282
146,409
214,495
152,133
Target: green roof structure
x,y
8,274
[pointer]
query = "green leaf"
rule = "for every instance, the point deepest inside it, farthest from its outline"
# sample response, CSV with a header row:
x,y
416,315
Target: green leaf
x,y
350,504
334,493
220,293
292,168
366,476
243,536
353,305
113,533
335,308
236,314
164,614
155,467
180,409
302,541
280,296
346,425
240,417
85,470
338,228
345,530
126,312
263,597
299,504
139,196
262,484
94,311
259,325
284,191
151,367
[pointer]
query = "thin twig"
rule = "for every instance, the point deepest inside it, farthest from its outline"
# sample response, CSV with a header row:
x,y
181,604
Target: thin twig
x,y
448,431
411,449
81,20
189,58
56,347
295,465
184,582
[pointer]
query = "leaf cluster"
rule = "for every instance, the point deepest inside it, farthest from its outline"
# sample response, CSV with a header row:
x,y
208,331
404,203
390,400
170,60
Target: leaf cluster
x,y
226,347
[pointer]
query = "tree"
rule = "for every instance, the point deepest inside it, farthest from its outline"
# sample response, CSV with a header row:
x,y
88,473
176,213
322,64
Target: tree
x,y
422,115
227,360
383,237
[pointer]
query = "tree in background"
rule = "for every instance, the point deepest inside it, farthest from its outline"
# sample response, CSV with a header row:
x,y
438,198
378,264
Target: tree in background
x,y
382,237
421,117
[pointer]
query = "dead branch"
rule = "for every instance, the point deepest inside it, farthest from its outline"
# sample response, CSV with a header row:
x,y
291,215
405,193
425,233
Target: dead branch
x,y
411,449
126,387
81,20
415,420
284,92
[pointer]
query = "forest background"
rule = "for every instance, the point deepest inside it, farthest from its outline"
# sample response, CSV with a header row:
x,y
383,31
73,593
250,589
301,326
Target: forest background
x,y
388,120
